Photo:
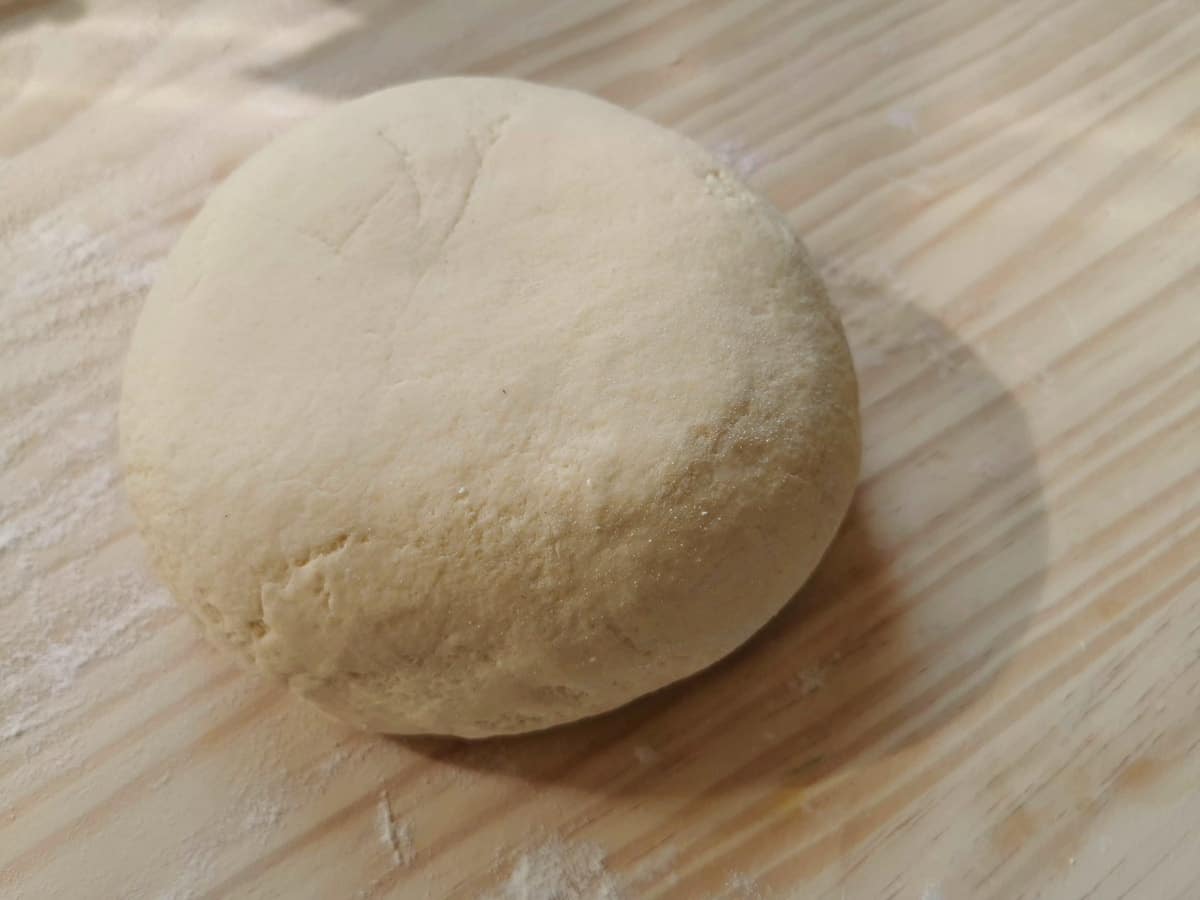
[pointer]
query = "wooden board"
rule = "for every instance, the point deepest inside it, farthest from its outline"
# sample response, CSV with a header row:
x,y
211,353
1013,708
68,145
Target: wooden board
x,y
991,687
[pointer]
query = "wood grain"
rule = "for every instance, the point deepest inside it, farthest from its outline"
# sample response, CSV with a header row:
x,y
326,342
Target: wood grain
x,y
990,688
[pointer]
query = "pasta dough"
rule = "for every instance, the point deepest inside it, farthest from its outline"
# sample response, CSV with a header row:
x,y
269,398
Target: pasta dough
x,y
474,406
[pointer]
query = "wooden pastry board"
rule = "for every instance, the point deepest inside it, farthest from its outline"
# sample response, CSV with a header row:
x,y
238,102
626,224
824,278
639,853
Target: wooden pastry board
x,y
991,687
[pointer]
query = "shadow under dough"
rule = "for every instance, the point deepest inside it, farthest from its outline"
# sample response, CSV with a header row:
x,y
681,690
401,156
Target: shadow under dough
x,y
917,606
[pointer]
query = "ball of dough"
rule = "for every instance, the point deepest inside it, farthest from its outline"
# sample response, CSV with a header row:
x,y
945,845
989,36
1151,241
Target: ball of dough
x,y
475,406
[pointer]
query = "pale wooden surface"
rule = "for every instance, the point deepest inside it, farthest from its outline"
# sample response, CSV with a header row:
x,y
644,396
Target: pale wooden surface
x,y
990,689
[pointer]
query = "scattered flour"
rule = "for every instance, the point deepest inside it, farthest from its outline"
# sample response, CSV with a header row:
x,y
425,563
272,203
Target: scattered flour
x,y
809,681
261,807
86,271
62,611
737,156
558,870
903,119
106,615
65,608
396,837
61,506
743,887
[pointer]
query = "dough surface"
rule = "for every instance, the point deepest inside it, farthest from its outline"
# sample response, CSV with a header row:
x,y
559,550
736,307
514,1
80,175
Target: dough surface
x,y
474,407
